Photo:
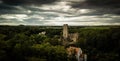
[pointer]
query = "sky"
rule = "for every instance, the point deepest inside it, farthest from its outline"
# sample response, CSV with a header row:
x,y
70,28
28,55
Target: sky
x,y
59,12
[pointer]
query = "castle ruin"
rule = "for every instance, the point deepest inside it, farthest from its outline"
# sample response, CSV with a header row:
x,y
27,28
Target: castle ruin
x,y
68,38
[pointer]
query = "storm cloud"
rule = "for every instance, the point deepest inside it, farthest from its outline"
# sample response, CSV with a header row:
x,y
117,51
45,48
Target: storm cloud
x,y
21,2
59,12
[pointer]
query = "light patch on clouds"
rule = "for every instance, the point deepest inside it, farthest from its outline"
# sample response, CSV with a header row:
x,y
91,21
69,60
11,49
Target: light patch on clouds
x,y
84,11
74,0
57,6
19,17
65,6
81,19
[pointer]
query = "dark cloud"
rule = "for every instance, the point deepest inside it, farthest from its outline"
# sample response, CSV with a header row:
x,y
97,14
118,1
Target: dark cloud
x,y
13,2
84,3
97,3
20,2
101,6
112,3
7,9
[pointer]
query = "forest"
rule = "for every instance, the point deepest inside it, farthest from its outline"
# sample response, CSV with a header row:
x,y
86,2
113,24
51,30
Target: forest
x,y
24,43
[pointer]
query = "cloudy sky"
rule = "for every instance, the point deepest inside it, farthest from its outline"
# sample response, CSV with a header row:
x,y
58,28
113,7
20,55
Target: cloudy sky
x,y
59,12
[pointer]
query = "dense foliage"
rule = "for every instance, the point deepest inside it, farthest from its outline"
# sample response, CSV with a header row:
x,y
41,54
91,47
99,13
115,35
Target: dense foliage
x,y
24,43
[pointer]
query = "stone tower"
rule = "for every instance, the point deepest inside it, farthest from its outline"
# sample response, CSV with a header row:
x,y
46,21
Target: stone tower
x,y
65,31
65,35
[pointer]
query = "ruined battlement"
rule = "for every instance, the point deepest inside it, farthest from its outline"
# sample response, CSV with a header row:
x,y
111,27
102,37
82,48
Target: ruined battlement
x,y
69,38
